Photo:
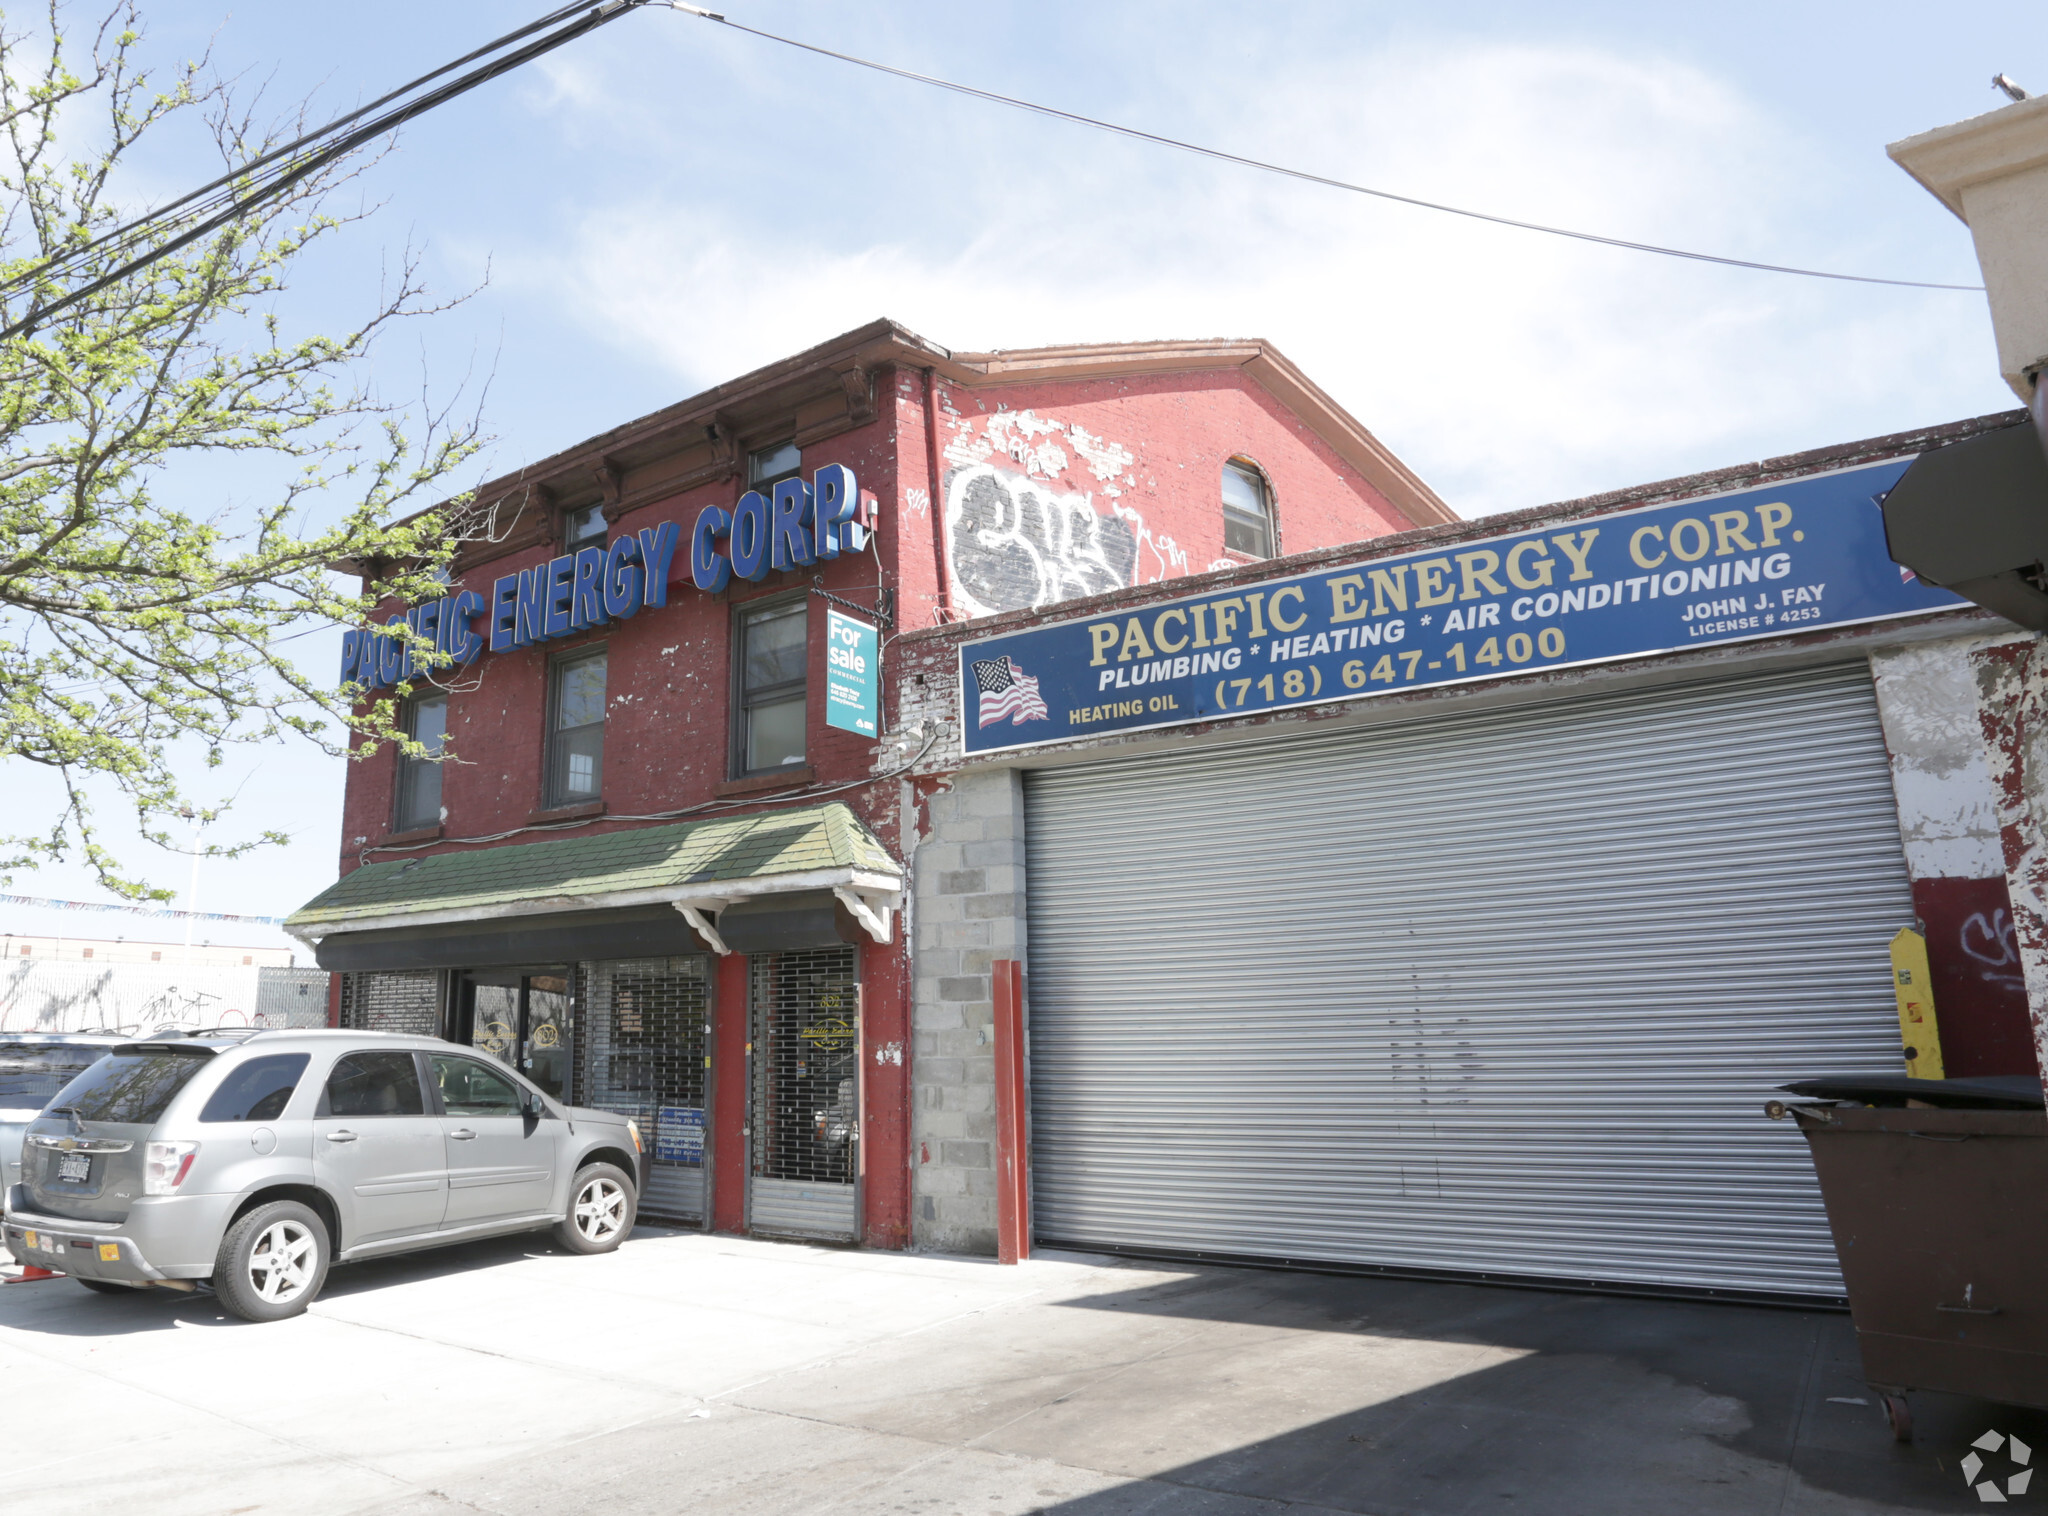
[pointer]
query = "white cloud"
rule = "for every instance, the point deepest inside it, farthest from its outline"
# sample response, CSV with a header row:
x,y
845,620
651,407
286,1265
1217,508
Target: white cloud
x,y
1508,367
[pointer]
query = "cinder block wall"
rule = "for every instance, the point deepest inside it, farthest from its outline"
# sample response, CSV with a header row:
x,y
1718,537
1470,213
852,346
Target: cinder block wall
x,y
968,885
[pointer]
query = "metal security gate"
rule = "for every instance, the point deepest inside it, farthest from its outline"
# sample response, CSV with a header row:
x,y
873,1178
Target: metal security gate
x,y
645,1055
804,1126
408,1002
1497,993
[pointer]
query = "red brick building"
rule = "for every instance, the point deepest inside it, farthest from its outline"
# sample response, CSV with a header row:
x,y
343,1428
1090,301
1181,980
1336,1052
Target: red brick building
x,y
653,873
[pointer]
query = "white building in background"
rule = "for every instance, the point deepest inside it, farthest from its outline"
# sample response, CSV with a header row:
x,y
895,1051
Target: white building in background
x,y
76,984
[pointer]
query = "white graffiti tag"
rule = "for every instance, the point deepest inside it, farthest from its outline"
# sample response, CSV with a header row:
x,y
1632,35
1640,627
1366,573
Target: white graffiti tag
x,y
1991,942
1012,542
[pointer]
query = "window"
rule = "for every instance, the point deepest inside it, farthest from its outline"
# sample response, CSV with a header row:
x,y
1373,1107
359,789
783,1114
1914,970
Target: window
x,y
130,1088
773,463
375,1084
470,1089
768,722
257,1091
576,730
584,527
31,1073
1247,511
419,779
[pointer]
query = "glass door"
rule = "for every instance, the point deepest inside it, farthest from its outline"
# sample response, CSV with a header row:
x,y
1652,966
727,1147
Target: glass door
x,y
524,1018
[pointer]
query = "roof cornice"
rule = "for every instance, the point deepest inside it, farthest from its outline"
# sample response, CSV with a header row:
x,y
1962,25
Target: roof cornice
x,y
830,388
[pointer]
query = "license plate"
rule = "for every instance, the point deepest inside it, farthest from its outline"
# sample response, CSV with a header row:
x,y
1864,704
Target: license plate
x,y
74,1168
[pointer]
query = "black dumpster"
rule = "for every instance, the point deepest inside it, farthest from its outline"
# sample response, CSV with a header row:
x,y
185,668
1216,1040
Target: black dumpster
x,y
1937,1193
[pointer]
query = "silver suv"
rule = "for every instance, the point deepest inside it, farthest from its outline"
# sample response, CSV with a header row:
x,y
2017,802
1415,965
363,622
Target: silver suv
x,y
253,1160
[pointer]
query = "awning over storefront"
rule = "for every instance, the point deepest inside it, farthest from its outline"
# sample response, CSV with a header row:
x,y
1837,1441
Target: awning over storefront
x,y
763,882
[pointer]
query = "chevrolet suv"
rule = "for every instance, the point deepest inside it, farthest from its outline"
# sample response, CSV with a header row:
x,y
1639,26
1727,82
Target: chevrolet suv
x,y
251,1161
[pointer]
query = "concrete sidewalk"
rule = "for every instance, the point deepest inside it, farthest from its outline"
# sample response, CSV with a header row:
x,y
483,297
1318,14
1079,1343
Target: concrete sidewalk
x,y
716,1374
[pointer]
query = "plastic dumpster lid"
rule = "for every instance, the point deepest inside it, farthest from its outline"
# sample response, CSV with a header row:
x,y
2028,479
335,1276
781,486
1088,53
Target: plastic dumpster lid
x,y
1997,1092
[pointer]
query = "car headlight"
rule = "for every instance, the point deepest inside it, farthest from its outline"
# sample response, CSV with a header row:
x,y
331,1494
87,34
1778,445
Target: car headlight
x,y
633,1127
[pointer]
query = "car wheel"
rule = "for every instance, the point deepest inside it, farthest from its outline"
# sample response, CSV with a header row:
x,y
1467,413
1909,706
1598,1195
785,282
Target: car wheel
x,y
272,1262
601,1209
107,1286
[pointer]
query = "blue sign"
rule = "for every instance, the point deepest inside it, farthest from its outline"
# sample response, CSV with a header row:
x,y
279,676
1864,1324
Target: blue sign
x,y
1792,557
852,688
679,1134
800,526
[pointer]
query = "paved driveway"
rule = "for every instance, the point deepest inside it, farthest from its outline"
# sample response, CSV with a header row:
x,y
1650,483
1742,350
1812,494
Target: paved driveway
x,y
715,1374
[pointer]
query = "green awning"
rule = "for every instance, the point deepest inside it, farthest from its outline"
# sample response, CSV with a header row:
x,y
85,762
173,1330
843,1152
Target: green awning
x,y
701,864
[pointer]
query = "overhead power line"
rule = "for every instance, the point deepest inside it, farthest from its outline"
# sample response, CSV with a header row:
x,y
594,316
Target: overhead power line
x,y
135,245
163,231
1220,156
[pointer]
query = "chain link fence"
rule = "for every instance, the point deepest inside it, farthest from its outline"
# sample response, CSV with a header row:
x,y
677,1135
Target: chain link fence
x,y
130,998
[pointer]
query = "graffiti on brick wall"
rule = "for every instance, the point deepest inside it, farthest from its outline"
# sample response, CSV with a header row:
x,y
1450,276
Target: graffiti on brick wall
x,y
1011,542
1019,535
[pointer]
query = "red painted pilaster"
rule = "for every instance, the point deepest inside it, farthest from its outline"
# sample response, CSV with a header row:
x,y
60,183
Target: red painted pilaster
x,y
1013,1155
885,1086
729,1101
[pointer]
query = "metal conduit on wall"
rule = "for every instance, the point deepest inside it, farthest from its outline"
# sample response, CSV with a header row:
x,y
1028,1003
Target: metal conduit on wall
x,y
1499,993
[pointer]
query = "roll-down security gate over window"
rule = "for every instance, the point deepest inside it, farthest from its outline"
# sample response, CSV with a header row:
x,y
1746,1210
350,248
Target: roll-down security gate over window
x,y
1498,992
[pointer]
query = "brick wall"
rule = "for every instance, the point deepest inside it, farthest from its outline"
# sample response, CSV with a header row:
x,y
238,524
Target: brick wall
x,y
968,910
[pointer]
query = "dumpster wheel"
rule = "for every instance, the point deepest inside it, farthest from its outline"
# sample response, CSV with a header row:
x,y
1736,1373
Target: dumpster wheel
x,y
1897,1415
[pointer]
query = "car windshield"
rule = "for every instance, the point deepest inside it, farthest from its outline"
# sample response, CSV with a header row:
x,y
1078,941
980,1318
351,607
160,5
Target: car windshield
x,y
131,1088
32,1072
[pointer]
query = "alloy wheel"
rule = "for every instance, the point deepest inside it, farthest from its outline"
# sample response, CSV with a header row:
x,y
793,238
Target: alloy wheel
x,y
600,1210
283,1261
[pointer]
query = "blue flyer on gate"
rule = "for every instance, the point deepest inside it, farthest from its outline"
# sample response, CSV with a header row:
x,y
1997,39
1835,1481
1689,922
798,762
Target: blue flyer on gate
x,y
1795,556
679,1134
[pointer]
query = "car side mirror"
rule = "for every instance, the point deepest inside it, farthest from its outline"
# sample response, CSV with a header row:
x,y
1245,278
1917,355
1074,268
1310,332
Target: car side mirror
x,y
533,1105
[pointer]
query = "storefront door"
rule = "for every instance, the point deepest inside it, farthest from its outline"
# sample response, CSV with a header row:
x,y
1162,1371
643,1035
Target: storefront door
x,y
805,1128
647,1021
523,1018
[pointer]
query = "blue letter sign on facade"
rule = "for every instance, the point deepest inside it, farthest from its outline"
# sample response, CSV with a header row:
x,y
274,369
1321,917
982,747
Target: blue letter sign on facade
x,y
1792,557
852,688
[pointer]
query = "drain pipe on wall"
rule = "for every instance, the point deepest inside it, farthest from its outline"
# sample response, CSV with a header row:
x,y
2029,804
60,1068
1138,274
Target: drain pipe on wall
x,y
938,509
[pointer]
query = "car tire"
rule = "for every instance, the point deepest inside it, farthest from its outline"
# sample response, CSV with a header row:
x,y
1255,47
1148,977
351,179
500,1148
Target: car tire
x,y
602,1205
272,1262
108,1287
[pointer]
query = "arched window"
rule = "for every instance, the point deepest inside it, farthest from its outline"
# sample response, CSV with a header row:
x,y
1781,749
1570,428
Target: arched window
x,y
1247,510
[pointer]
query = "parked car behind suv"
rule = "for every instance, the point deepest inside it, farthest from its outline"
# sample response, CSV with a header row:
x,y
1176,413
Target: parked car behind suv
x,y
34,1066
254,1160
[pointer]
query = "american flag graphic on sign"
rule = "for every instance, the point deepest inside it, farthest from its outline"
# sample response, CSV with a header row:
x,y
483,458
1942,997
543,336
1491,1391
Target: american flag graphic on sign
x,y
1007,690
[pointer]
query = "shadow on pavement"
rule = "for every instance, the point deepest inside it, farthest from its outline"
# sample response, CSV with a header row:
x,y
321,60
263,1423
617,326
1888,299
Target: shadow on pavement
x,y
1616,1404
64,1308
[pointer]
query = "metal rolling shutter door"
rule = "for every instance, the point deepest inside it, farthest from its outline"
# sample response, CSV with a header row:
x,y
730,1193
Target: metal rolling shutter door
x,y
1500,992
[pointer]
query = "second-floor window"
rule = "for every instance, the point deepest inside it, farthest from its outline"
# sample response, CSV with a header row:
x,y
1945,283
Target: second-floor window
x,y
583,527
1247,511
419,779
576,730
783,461
768,687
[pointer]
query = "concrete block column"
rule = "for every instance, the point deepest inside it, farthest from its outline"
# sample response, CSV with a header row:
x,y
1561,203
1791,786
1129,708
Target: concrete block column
x,y
968,887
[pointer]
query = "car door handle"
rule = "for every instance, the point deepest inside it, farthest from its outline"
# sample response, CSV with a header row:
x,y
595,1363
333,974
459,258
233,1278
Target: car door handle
x,y
344,1135
462,1134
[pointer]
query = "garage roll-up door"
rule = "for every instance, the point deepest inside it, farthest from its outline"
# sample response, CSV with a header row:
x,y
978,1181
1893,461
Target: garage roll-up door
x,y
1501,992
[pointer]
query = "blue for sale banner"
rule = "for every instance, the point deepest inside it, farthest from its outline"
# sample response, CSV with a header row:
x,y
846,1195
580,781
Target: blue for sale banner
x,y
1792,557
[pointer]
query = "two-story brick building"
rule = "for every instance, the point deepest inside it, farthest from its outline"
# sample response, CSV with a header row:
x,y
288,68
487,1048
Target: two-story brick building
x,y
652,870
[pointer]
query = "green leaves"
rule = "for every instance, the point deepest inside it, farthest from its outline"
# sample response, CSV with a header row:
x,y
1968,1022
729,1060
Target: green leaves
x,y
129,627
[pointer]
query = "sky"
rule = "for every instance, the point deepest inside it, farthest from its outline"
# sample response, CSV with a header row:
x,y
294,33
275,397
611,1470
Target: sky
x,y
669,203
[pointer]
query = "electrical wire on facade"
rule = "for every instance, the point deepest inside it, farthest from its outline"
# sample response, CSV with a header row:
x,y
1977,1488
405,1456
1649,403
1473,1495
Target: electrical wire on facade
x,y
1160,140
808,792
